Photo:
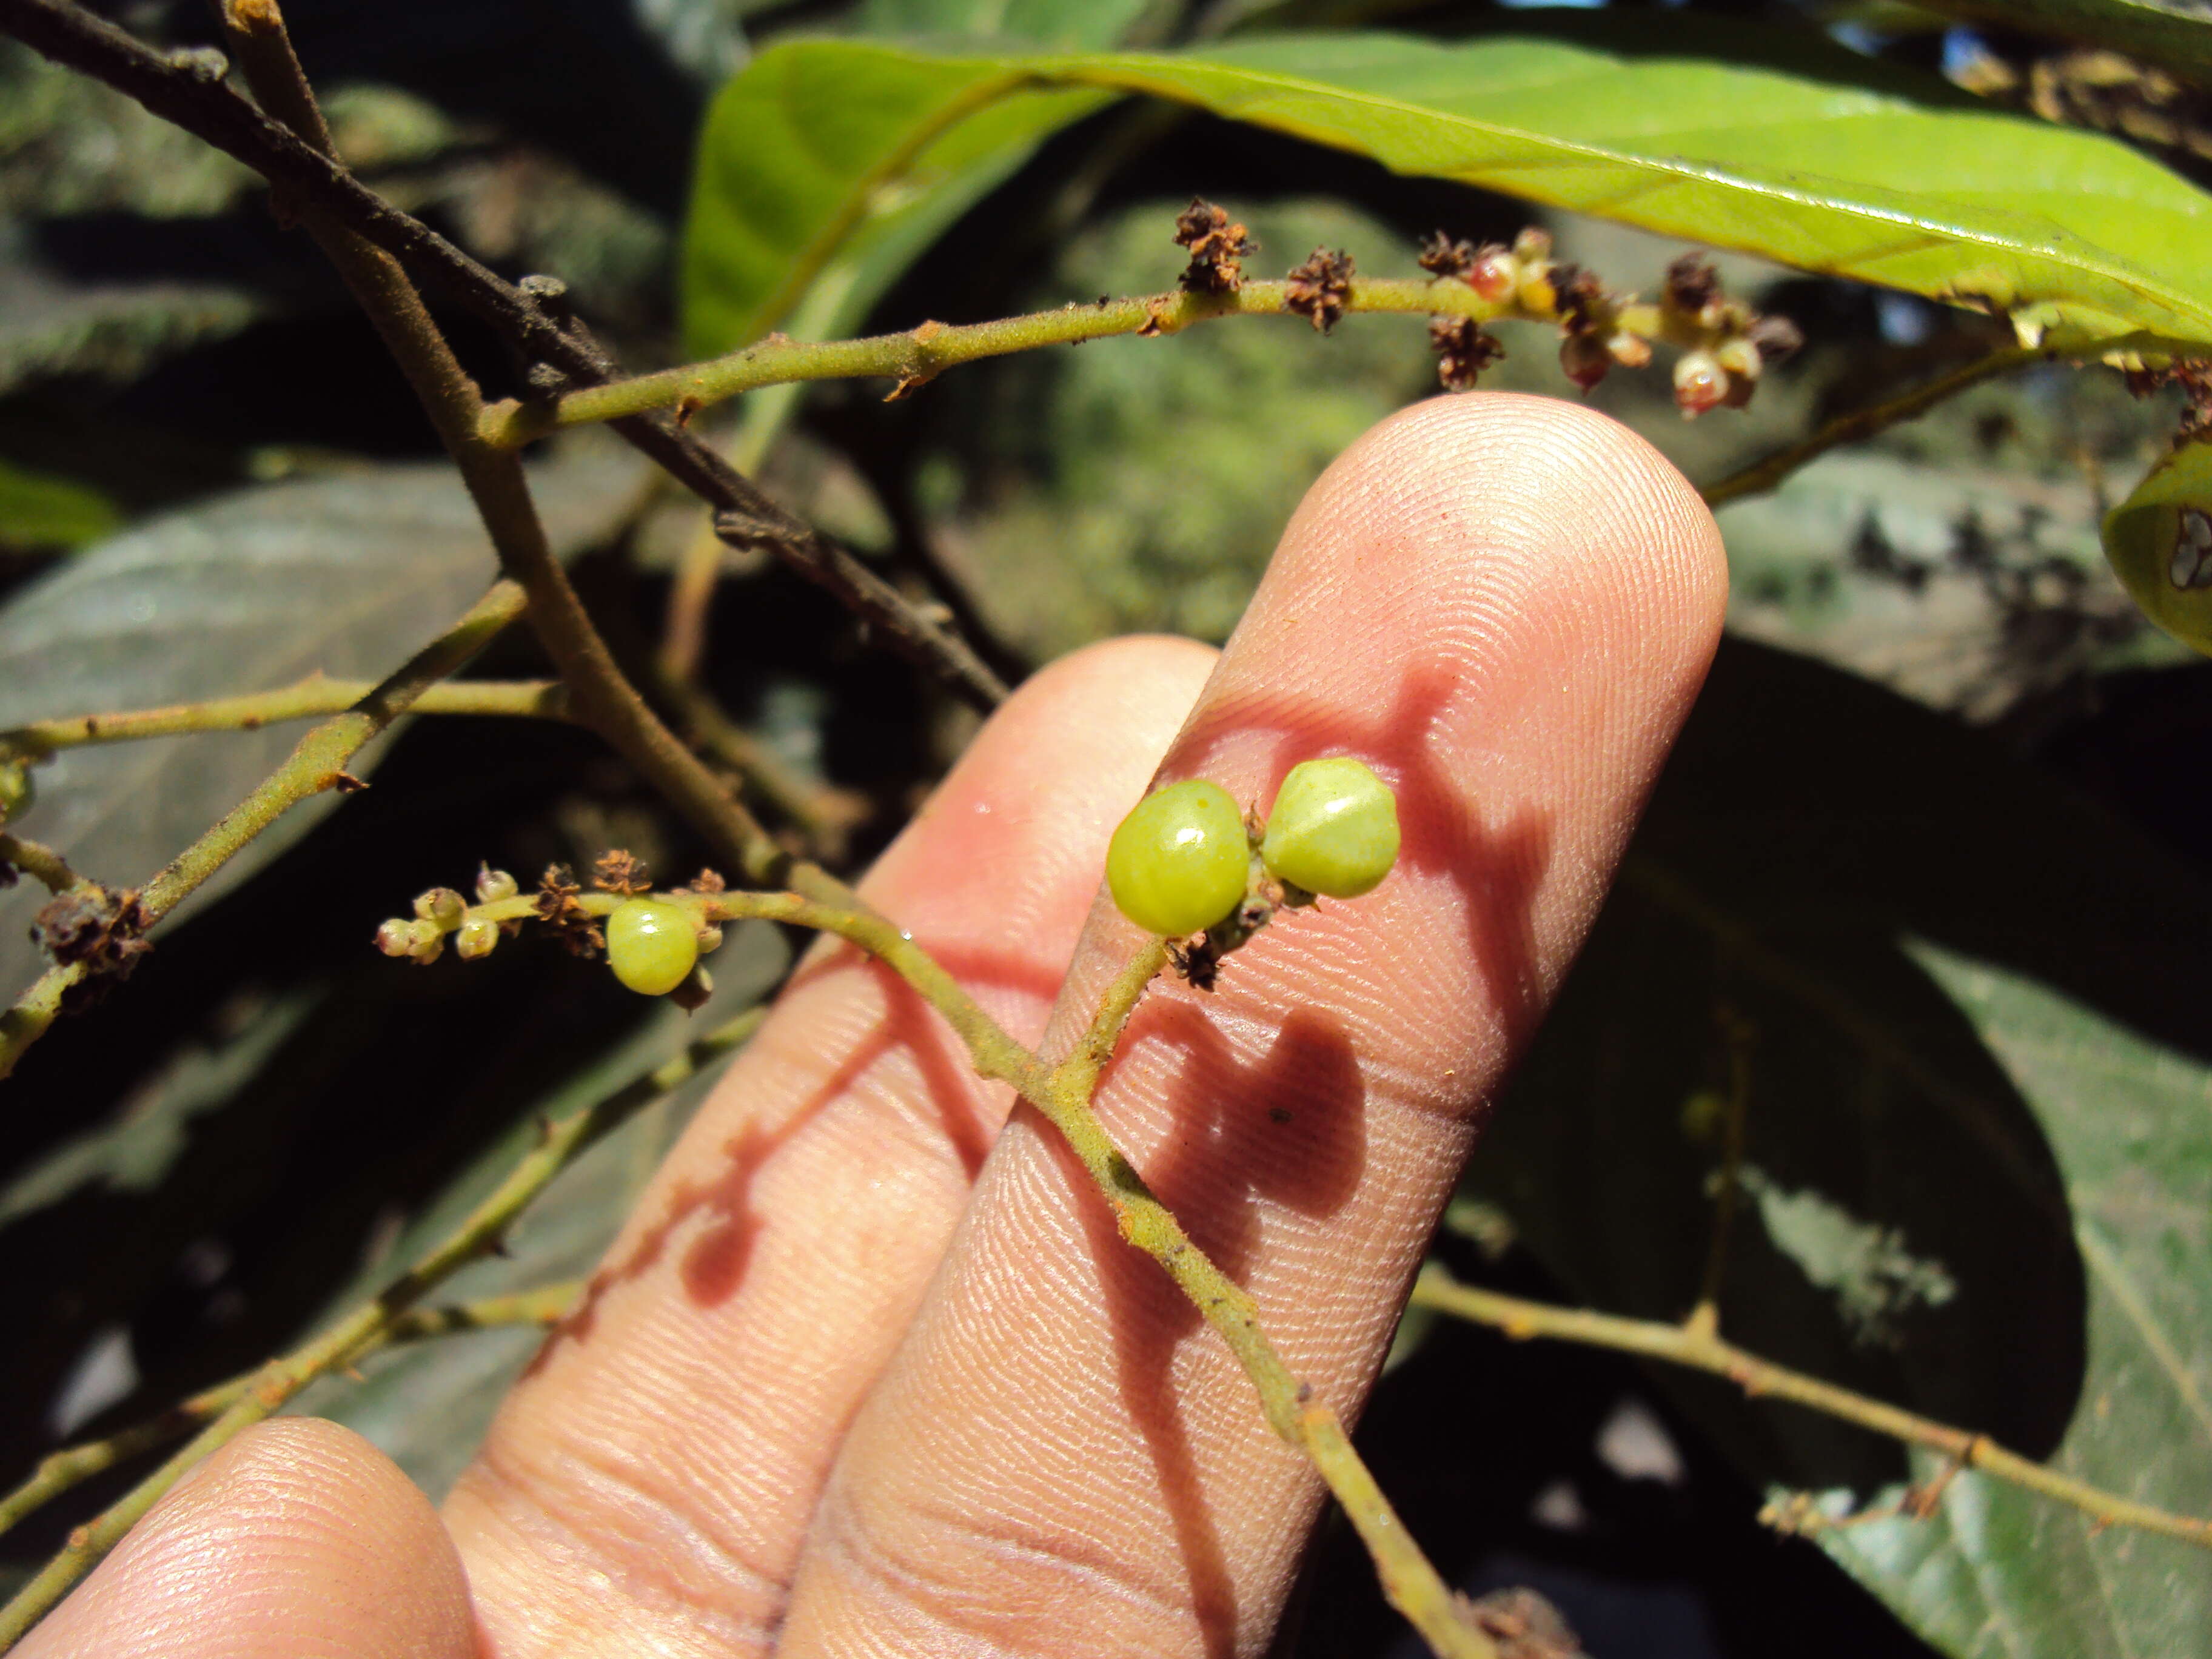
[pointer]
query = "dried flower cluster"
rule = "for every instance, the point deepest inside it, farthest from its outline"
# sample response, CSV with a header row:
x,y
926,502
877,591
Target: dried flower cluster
x,y
2193,375
1724,343
1217,248
97,928
1322,287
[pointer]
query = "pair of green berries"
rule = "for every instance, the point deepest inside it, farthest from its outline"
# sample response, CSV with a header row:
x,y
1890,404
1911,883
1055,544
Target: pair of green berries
x,y
1182,861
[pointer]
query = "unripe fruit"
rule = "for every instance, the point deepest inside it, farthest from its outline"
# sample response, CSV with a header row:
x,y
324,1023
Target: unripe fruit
x,y
652,944
1180,862
493,885
476,938
1335,828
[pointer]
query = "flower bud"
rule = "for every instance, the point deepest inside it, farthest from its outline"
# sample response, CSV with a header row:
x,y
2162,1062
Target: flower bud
x,y
395,938
476,938
710,939
1583,359
426,940
442,905
1494,275
1739,356
1700,383
493,885
1533,243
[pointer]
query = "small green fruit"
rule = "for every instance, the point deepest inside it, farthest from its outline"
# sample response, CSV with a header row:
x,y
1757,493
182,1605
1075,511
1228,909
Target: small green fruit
x,y
1335,828
1181,862
652,944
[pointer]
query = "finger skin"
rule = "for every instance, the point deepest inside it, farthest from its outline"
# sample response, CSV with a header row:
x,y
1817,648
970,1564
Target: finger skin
x,y
1505,605
297,1540
646,1486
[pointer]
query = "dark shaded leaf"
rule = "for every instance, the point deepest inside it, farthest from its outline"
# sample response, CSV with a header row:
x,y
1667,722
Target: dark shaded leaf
x,y
346,576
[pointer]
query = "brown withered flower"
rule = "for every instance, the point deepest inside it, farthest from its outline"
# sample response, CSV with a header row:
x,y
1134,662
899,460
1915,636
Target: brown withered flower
x,y
1321,287
1218,246
98,929
556,904
1464,349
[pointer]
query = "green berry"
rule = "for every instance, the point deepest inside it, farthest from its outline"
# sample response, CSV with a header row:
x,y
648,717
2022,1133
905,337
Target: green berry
x,y
652,944
1180,860
1335,828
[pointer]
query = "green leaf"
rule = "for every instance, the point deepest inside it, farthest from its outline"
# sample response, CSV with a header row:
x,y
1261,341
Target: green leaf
x,y
138,1148
1062,23
346,574
1997,1572
428,1406
857,154
38,510
1773,144
1920,1224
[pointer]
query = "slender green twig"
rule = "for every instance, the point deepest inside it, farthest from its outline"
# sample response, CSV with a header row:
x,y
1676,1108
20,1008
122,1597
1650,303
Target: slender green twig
x,y
370,1324
1736,1035
37,859
1063,1094
1862,423
1686,1345
920,353
315,695
60,1471
318,763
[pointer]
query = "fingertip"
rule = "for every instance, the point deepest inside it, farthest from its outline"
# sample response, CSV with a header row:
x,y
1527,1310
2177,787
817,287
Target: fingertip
x,y
297,1539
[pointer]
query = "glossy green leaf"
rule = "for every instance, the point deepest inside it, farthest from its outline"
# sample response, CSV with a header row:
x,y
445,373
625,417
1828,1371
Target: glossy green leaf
x,y
1775,145
2160,544
859,155
1978,1138
1999,1573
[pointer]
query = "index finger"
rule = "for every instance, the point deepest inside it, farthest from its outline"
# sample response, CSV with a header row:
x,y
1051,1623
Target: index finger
x,y
1505,606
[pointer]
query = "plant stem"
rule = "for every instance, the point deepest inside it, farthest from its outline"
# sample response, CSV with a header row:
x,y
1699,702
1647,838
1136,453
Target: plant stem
x,y
317,763
1686,1344
372,1322
1736,1034
315,695
180,92
58,1472
1862,423
37,859
601,698
922,353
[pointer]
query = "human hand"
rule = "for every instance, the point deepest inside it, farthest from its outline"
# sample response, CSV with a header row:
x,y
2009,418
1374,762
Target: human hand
x,y
869,1370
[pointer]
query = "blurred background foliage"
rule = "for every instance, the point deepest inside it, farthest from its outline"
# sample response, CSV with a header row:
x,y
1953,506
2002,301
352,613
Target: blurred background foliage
x,y
1938,837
